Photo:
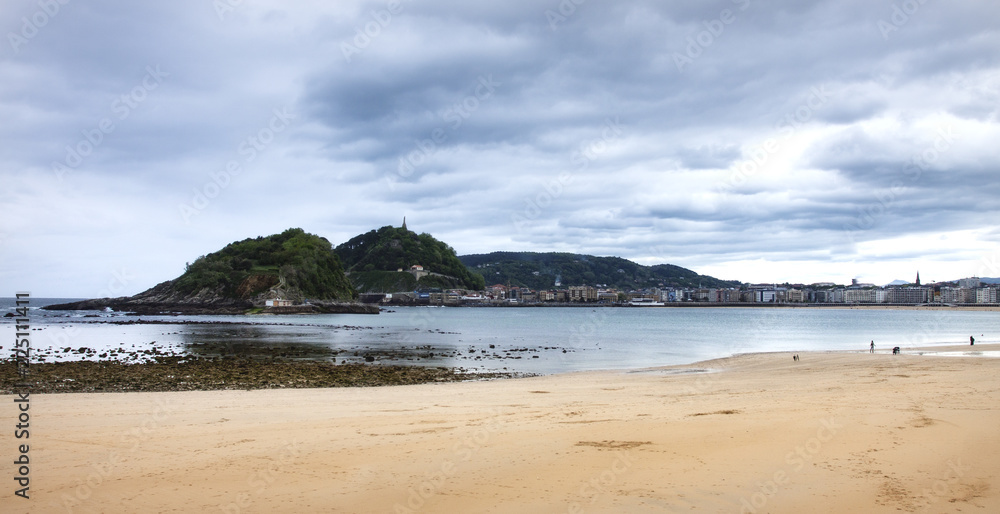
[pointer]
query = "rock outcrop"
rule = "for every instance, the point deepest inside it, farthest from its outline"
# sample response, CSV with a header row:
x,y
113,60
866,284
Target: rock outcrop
x,y
293,266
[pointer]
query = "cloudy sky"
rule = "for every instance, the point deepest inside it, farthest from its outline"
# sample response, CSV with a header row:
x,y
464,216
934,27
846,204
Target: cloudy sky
x,y
784,140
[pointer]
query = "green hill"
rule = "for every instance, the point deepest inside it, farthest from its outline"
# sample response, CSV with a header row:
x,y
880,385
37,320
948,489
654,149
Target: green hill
x,y
299,264
373,258
541,270
241,277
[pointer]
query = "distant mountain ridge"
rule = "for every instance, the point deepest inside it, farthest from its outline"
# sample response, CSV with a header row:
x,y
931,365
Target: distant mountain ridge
x,y
984,280
544,270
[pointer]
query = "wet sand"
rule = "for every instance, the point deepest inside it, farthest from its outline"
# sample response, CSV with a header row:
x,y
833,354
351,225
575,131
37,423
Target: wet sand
x,y
833,432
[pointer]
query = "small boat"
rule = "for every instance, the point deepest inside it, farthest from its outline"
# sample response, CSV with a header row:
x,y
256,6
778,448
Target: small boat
x,y
645,302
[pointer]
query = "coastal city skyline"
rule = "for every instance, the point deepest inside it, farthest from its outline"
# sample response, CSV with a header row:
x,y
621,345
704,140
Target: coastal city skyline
x,y
754,141
972,290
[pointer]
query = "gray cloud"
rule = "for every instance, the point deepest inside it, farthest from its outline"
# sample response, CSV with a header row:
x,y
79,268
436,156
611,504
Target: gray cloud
x,y
736,135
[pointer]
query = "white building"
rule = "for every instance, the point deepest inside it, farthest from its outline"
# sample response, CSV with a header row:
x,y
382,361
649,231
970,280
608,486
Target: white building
x,y
958,295
864,296
908,295
766,296
970,283
987,295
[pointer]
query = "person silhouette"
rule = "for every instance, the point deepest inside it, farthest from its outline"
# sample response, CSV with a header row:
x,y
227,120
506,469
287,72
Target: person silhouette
x,y
972,340
873,347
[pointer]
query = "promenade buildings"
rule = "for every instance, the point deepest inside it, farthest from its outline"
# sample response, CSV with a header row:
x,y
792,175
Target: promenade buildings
x,y
962,292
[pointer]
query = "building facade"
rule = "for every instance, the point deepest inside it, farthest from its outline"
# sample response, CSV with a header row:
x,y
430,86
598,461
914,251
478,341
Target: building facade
x,y
908,295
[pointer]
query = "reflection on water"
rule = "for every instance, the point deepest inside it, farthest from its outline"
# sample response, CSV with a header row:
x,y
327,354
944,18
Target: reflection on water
x,y
534,340
992,354
327,343
254,341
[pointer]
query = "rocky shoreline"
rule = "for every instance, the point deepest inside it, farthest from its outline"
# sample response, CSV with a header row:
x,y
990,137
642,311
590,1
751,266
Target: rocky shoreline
x,y
166,299
191,373
132,307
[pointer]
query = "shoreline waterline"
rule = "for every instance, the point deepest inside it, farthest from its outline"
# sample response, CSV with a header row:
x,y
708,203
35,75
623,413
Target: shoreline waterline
x,y
212,375
536,341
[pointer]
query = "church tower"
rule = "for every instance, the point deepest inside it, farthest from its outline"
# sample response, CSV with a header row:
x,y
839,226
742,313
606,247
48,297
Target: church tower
x,y
918,273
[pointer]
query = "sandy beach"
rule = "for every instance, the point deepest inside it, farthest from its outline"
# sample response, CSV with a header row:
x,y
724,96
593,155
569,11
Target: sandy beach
x,y
833,432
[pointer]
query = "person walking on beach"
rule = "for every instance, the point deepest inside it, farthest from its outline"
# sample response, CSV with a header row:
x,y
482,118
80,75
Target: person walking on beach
x,y
972,340
873,346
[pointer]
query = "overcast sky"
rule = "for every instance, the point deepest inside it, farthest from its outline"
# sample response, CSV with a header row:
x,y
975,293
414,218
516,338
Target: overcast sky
x,y
755,140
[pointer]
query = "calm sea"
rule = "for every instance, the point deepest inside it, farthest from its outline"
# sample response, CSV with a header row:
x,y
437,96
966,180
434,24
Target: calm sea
x,y
537,340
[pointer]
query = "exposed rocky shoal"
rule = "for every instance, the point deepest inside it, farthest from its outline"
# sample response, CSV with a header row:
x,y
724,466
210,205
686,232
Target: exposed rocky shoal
x,y
189,373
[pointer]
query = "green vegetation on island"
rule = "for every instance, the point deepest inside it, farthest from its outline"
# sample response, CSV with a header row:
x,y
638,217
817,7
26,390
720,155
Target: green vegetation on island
x,y
544,270
373,261
298,263
298,270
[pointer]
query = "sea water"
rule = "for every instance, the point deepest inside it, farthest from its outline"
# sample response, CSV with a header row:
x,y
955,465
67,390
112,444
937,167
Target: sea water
x,y
522,339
